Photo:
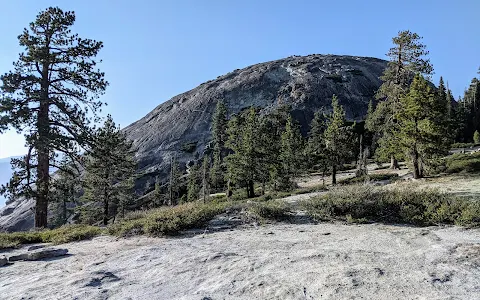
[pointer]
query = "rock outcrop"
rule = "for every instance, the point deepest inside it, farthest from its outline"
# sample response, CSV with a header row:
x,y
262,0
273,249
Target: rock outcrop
x,y
3,261
17,215
181,126
39,254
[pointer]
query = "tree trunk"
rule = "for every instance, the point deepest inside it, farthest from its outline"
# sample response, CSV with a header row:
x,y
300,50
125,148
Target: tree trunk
x,y
394,163
64,212
105,212
334,174
323,177
229,189
250,189
416,170
170,197
43,156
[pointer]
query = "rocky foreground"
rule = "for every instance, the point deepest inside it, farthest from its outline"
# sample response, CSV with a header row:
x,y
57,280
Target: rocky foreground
x,y
286,261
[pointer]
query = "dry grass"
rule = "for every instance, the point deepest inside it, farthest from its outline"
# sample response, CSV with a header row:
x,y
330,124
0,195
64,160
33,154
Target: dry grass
x,y
408,206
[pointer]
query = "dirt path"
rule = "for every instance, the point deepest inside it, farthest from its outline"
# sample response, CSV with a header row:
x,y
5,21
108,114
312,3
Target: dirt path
x,y
325,261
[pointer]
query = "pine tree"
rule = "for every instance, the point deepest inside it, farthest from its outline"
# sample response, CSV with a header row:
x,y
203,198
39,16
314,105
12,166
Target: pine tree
x,y
126,196
249,151
205,183
421,133
441,109
407,58
66,185
158,195
270,165
219,133
337,138
50,95
110,166
476,137
471,100
193,189
174,182
291,155
316,143
442,97
242,164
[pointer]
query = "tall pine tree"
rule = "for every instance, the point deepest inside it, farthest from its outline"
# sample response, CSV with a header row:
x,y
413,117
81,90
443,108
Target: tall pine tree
x,y
49,95
422,128
316,143
291,155
407,57
219,134
338,138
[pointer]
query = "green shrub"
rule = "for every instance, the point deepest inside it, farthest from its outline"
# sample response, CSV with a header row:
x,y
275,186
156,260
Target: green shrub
x,y
370,177
64,234
408,206
476,137
189,147
276,210
169,220
469,163
463,145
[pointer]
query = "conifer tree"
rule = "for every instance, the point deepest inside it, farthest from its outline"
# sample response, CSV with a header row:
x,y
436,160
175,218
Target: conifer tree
x,y
249,151
316,143
242,164
174,182
126,196
407,57
158,196
291,155
476,137
337,138
421,133
270,166
65,187
205,176
193,189
109,169
49,96
219,133
442,96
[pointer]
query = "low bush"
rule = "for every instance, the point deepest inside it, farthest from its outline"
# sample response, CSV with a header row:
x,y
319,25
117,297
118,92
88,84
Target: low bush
x,y
372,204
463,145
370,177
64,234
276,210
168,220
456,163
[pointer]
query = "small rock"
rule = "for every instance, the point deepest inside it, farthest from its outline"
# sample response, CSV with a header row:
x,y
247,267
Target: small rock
x,y
3,261
40,254
31,248
327,233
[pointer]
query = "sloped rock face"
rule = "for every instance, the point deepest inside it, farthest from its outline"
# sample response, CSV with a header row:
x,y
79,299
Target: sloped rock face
x,y
305,82
17,215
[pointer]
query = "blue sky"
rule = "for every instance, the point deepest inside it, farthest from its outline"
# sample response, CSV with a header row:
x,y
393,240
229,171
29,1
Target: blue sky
x,y
157,49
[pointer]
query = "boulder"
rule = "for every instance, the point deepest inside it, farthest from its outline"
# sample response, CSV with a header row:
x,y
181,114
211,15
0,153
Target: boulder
x,y
3,261
39,254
